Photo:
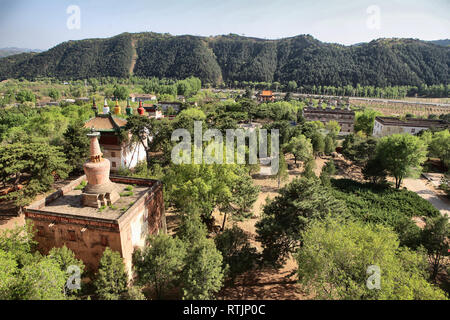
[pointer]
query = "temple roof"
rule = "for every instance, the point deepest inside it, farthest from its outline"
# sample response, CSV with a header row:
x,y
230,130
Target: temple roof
x,y
105,123
266,93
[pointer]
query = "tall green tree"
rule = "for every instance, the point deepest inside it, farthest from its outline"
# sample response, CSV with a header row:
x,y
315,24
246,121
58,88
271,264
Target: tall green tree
x,y
203,274
238,254
300,147
365,120
76,145
111,280
299,202
32,164
160,262
440,146
434,237
400,154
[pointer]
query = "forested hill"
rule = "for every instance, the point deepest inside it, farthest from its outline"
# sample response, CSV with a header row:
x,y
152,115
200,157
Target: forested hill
x,y
229,58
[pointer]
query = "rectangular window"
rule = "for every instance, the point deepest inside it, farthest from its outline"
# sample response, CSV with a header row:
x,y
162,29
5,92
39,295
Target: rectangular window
x,y
113,164
113,154
104,240
71,235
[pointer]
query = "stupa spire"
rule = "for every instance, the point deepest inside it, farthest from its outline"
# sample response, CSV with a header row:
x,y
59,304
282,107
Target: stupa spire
x,y
105,107
129,110
117,108
141,109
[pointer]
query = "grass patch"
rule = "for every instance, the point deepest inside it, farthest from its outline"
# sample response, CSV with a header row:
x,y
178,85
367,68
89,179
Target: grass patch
x,y
102,208
126,194
129,188
81,185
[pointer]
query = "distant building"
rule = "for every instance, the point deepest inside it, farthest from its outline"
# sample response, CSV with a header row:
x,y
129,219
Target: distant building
x,y
165,105
136,97
265,96
153,111
345,117
104,213
82,99
48,103
124,154
389,125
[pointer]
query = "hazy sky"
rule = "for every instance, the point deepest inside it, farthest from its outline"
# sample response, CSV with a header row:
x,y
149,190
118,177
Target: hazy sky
x,y
41,24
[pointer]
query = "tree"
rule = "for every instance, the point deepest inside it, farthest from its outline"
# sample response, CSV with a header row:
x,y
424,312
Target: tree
x,y
159,263
111,280
238,255
318,143
282,173
121,92
203,274
327,171
54,94
329,145
373,171
399,154
440,146
364,121
76,145
339,260
300,147
244,194
434,237
32,164
24,274
292,86
41,280
25,95
299,202
333,128
203,187
64,257
8,271
308,171
288,96
359,148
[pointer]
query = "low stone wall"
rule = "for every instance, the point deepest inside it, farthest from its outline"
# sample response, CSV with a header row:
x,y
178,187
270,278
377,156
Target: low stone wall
x,y
39,204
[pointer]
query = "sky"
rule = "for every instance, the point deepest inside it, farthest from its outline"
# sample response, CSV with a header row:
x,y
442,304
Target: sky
x,y
42,24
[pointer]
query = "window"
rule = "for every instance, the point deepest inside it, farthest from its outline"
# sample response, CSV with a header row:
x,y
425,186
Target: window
x,y
113,164
71,235
104,240
40,231
413,130
113,154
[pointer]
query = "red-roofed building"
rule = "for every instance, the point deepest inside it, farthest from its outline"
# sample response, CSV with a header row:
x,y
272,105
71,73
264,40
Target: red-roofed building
x,y
265,96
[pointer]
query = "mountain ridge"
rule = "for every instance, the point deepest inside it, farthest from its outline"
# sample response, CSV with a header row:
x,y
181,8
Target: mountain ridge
x,y
229,58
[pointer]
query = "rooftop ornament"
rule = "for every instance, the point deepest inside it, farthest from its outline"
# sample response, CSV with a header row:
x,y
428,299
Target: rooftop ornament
x,y
99,191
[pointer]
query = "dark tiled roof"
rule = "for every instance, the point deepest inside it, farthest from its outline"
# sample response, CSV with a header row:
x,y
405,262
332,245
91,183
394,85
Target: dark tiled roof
x,y
105,123
411,122
327,110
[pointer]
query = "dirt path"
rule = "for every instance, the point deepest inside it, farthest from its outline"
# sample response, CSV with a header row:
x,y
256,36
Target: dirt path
x,y
423,188
134,58
268,283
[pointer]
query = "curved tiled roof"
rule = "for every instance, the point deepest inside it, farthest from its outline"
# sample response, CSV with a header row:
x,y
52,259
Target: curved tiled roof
x,y
105,122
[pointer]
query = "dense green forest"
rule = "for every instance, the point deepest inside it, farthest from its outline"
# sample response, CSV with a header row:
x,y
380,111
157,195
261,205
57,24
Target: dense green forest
x,y
231,58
